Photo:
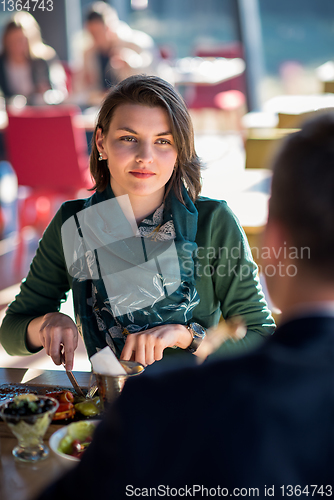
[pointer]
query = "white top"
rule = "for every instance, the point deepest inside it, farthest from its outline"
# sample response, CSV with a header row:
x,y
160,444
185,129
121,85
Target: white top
x,y
19,78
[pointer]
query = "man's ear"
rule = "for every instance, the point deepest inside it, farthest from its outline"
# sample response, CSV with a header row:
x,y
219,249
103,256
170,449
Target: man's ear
x,y
273,243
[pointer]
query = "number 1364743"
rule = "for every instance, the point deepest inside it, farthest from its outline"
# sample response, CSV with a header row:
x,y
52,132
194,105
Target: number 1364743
x,y
27,5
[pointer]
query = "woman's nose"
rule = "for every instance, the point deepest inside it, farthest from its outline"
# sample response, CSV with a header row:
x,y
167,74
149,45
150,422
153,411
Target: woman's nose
x,y
144,153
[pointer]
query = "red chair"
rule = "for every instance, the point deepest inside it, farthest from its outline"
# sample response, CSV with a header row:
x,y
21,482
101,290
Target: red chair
x,y
46,150
49,155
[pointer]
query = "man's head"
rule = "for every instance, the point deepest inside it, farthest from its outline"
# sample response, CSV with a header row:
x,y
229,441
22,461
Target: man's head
x,y
301,208
102,23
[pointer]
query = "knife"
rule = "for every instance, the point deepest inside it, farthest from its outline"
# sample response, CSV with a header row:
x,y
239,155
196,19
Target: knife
x,y
71,377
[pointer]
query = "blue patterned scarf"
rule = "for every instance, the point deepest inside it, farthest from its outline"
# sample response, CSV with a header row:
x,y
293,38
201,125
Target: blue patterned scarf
x,y
125,283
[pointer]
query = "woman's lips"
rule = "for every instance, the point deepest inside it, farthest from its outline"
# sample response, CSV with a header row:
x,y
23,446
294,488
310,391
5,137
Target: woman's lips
x,y
142,174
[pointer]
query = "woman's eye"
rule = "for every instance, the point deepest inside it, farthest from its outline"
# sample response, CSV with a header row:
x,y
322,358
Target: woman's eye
x,y
128,138
163,141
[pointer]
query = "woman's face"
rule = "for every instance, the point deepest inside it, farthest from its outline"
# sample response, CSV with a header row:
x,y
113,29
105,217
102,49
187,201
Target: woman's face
x,y
16,44
140,150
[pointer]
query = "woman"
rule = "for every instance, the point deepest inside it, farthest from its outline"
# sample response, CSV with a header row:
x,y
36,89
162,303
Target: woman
x,y
28,66
146,257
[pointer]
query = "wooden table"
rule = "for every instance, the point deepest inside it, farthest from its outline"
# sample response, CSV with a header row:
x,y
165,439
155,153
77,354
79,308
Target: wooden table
x,y
21,480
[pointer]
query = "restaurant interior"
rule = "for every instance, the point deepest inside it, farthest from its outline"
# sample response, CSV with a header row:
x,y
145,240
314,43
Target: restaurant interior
x,y
250,72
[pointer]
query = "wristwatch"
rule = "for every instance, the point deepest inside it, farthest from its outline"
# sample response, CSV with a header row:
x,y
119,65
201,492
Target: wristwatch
x,y
198,333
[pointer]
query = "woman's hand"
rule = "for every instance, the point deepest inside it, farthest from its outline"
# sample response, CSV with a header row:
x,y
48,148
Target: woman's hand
x,y
54,331
147,346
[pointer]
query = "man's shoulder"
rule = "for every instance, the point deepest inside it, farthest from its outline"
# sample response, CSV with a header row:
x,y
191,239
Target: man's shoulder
x,y
304,330
129,35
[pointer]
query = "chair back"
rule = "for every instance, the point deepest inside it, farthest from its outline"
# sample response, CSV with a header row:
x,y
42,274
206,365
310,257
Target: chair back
x,y
46,150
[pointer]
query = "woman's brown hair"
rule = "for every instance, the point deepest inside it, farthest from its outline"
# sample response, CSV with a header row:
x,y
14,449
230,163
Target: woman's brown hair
x,y
152,91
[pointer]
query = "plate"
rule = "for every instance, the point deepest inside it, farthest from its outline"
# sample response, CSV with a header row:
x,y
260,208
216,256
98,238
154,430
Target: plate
x,y
58,436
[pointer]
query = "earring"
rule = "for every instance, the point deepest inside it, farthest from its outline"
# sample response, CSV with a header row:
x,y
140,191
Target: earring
x,y
100,157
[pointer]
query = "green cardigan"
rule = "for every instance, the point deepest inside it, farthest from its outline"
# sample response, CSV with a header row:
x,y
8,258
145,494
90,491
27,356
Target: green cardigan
x,y
227,280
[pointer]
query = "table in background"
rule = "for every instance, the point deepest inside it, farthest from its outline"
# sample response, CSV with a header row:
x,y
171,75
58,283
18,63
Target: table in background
x,y
293,110
205,70
325,74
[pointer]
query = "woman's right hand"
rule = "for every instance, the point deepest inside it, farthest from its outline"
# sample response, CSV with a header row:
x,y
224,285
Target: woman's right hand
x,y
55,331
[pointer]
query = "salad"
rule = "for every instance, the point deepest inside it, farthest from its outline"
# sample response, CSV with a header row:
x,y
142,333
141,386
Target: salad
x,y
78,437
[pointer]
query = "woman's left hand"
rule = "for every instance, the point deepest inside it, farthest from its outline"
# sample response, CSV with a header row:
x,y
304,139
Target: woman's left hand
x,y
147,346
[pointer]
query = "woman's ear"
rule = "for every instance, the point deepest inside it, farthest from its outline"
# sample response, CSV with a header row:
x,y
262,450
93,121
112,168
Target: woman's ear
x,y
99,141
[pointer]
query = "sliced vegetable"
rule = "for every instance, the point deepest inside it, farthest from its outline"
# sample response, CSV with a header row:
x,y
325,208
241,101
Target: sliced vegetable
x,y
64,411
62,396
87,408
66,445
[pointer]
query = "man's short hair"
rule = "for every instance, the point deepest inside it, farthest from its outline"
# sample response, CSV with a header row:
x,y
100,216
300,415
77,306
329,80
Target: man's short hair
x,y
303,192
101,11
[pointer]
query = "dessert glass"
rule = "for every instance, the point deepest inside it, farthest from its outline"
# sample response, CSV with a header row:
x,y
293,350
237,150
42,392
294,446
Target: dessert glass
x,y
29,429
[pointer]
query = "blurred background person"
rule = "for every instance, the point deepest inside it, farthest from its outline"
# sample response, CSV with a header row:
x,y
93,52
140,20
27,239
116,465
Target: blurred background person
x,y
28,67
115,51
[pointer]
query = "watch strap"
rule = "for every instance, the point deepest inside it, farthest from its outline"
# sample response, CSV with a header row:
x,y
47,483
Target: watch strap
x,y
198,333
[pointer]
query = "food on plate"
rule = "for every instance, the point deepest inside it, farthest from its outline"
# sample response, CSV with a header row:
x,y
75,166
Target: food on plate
x,y
64,412
88,408
29,416
66,408
69,405
78,437
62,396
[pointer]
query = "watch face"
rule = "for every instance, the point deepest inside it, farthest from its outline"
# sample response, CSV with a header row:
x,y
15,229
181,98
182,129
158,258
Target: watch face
x,y
198,333
198,329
